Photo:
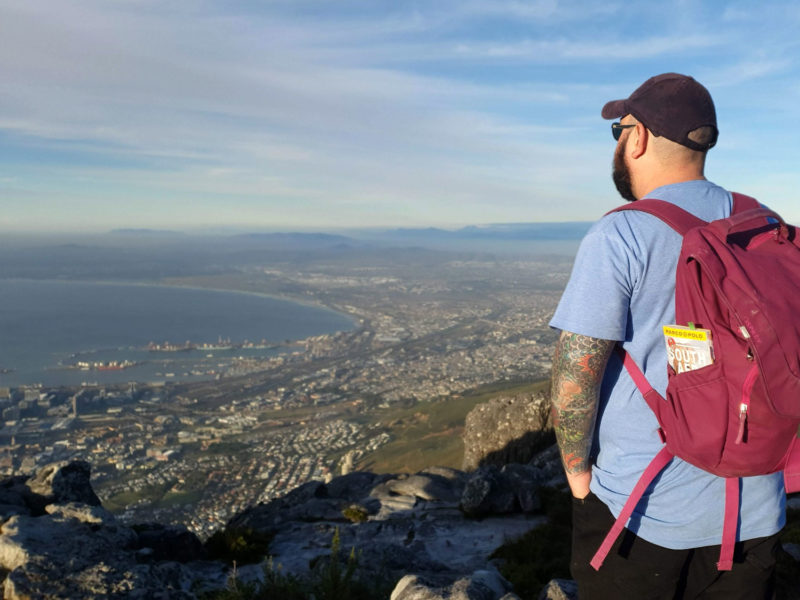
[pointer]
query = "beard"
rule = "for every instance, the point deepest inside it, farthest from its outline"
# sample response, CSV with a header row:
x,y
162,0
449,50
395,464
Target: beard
x,y
622,175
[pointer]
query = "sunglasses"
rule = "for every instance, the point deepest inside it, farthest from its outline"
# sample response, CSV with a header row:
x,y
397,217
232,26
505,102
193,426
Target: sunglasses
x,y
616,129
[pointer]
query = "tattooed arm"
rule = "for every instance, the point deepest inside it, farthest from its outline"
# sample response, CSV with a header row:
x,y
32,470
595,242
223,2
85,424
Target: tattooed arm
x,y
578,368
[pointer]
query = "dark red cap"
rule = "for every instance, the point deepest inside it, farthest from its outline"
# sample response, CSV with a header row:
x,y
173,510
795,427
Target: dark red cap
x,y
669,105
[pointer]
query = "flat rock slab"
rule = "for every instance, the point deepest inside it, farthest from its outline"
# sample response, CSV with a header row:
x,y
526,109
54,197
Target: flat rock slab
x,y
452,543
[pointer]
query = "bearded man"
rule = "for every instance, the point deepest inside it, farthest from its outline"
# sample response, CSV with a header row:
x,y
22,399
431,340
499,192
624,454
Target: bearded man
x,y
622,291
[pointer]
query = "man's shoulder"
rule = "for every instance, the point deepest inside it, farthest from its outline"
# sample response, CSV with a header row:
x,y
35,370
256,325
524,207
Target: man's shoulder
x,y
702,198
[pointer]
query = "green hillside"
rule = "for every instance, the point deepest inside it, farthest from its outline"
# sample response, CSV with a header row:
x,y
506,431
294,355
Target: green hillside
x,y
430,433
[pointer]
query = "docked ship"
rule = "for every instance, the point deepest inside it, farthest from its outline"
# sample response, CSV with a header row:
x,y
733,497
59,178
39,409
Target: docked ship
x,y
112,365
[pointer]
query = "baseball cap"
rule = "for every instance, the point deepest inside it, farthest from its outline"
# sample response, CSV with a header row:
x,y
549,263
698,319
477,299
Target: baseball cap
x,y
670,105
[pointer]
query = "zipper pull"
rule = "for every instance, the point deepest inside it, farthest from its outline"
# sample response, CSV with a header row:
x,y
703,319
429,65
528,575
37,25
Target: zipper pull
x,y
742,422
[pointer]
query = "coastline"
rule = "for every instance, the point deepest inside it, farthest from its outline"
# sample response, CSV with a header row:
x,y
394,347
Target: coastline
x,y
159,283
33,363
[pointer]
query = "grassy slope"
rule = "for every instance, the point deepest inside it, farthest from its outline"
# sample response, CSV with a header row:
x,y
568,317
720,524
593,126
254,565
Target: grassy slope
x,y
430,433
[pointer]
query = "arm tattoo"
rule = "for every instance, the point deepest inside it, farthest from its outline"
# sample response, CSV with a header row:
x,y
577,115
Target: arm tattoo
x,y
578,368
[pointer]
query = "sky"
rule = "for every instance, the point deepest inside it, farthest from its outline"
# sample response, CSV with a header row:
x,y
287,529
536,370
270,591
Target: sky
x,y
317,115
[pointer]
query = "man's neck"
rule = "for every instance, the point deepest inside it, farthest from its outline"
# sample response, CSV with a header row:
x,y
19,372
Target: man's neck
x,y
672,178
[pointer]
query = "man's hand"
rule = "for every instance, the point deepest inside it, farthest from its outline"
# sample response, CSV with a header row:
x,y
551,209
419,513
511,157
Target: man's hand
x,y
579,483
578,368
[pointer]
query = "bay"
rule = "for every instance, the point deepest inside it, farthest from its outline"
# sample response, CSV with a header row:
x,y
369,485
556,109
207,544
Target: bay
x,y
47,325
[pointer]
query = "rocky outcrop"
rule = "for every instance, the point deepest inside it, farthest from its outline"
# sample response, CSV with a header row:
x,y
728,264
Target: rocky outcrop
x,y
514,488
62,482
412,523
57,483
432,531
507,430
56,541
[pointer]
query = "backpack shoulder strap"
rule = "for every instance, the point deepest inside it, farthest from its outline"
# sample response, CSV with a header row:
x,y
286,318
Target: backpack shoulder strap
x,y
729,523
677,218
742,203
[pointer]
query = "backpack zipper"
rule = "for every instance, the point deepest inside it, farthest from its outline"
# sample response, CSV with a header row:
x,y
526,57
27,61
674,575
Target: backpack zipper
x,y
742,422
744,406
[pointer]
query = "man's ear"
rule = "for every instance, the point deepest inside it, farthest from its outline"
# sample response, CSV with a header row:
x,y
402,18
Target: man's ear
x,y
639,142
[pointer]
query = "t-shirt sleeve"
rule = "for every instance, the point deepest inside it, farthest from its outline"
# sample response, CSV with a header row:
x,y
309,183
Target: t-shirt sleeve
x,y
596,300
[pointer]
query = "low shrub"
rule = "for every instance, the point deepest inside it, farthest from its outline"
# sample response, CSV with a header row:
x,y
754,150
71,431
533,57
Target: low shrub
x,y
240,545
330,578
355,513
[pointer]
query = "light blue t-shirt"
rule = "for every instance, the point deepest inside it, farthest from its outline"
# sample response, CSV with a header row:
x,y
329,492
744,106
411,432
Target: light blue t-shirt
x,y
622,288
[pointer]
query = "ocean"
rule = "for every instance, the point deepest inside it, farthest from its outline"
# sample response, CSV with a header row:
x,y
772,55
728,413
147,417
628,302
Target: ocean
x,y
48,327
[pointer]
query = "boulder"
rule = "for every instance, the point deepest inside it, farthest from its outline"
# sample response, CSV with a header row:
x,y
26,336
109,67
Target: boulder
x,y
425,486
453,475
84,513
481,585
354,486
81,551
62,539
60,483
507,430
560,589
64,544
100,581
268,517
487,491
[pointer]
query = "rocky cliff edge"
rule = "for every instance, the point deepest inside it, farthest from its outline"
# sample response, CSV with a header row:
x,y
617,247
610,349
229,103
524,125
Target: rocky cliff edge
x,y
430,534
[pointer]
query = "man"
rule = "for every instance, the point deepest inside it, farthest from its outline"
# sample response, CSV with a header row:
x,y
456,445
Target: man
x,y
622,292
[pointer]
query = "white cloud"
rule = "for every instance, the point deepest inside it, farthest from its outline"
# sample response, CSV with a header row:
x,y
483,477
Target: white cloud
x,y
747,71
444,109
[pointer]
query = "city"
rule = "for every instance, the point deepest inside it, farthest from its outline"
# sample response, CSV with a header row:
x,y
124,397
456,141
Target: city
x,y
428,328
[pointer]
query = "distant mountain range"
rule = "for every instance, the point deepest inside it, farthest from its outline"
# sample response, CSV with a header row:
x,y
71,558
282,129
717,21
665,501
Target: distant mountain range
x,y
134,231
497,232
307,238
573,230
502,231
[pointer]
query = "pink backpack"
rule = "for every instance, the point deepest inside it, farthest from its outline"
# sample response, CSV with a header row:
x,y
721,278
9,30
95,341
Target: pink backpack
x,y
739,278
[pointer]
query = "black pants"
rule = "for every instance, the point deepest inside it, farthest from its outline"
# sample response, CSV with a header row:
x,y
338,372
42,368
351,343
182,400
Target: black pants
x,y
638,570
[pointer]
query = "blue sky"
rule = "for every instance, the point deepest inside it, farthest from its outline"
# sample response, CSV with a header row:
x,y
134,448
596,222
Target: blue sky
x,y
275,115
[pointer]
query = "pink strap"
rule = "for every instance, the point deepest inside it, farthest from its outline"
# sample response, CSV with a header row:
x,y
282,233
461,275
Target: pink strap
x,y
729,524
634,371
654,468
742,203
651,396
680,220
